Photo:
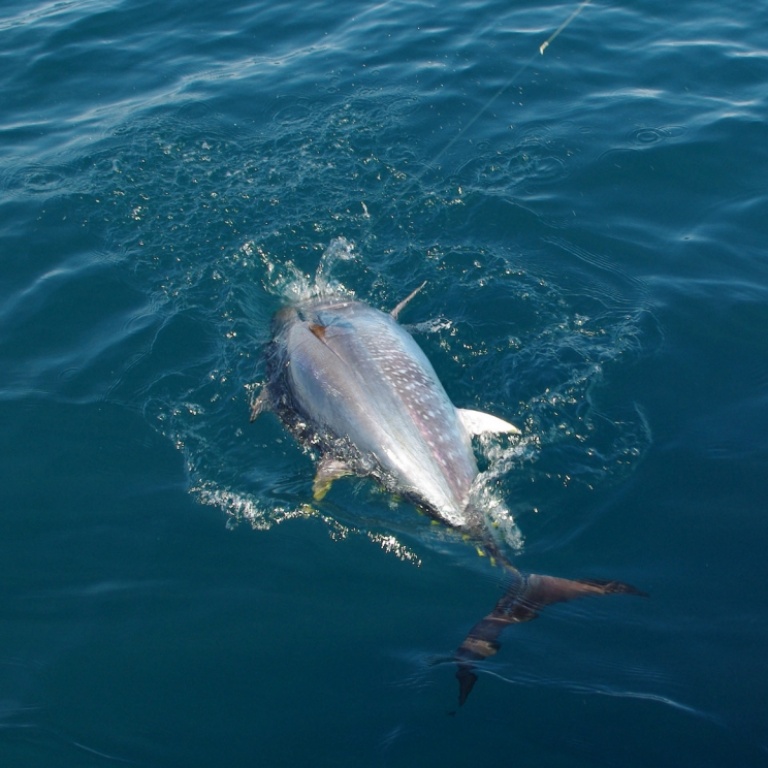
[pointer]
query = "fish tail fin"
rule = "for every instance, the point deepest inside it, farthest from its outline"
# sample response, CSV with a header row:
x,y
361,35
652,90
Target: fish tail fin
x,y
522,602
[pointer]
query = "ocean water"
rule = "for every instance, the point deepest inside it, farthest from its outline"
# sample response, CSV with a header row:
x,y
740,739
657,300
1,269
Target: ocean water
x,y
591,224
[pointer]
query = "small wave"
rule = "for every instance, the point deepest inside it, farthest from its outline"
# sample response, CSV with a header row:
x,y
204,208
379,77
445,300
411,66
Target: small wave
x,y
598,690
240,507
596,445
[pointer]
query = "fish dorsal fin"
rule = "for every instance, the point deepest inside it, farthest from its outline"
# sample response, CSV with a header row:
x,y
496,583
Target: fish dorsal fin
x,y
396,311
328,470
479,423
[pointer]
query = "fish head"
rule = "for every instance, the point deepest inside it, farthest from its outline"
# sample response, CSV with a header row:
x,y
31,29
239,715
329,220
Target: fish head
x,y
304,363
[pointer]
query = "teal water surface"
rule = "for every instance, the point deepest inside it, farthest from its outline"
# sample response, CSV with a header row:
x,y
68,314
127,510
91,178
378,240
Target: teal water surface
x,y
591,224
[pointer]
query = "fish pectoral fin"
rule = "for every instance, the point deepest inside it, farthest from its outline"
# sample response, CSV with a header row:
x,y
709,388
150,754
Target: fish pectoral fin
x,y
328,470
262,402
522,602
479,423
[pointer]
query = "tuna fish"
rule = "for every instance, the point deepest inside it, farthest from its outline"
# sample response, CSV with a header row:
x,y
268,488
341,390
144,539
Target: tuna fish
x,y
351,383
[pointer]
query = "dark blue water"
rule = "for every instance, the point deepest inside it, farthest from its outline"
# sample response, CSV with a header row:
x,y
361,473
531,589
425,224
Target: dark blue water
x,y
591,224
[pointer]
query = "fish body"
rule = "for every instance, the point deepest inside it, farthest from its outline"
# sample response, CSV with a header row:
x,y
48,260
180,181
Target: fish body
x,y
347,379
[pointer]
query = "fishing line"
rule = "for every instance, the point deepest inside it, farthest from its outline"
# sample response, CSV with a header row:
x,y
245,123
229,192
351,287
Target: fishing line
x,y
543,47
504,88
